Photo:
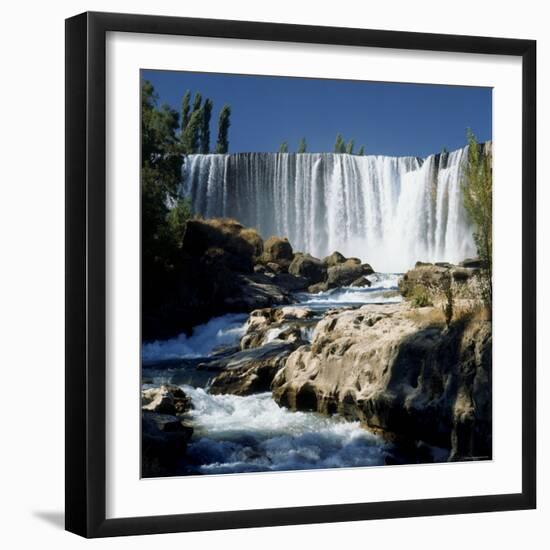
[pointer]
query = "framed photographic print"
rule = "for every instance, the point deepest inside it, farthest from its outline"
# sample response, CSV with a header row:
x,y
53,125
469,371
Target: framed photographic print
x,y
300,274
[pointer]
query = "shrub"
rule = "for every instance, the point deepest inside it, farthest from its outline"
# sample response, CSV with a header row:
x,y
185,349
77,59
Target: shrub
x,y
420,297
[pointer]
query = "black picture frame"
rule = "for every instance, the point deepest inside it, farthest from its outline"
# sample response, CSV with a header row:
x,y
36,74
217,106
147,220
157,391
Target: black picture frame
x,y
86,274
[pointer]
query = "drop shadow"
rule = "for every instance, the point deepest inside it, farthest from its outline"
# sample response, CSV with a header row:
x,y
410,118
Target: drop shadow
x,y
54,518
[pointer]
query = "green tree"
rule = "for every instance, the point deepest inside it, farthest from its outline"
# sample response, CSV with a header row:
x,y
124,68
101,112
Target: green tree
x,y
197,102
191,135
176,220
161,163
361,151
349,147
283,148
339,145
185,108
224,122
205,127
477,190
302,146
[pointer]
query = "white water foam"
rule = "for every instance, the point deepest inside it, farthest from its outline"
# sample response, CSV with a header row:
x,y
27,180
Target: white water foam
x,y
226,330
381,283
247,434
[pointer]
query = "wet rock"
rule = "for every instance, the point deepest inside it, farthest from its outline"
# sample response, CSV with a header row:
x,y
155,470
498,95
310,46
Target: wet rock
x,y
361,282
317,287
164,440
276,249
166,399
400,374
252,370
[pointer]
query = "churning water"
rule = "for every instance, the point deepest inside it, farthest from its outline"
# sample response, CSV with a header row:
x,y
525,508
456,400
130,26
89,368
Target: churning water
x,y
389,211
251,434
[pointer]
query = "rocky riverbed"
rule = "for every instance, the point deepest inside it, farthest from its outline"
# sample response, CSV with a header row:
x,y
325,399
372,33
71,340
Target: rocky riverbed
x,y
318,363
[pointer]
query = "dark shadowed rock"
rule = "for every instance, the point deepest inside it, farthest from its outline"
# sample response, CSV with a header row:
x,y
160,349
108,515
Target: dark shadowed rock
x,y
361,282
278,251
252,370
164,440
308,267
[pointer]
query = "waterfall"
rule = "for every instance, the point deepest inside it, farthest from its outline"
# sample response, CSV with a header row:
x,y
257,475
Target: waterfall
x,y
388,211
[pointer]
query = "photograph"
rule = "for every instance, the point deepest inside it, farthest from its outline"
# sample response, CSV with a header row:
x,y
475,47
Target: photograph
x,y
316,273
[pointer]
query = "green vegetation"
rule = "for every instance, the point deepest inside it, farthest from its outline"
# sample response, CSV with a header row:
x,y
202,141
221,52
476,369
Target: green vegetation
x,y
160,180
349,147
190,139
222,144
302,147
478,202
205,127
185,109
340,144
283,148
361,151
420,297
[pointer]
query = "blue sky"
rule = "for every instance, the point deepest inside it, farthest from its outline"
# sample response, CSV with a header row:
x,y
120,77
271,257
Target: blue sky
x,y
388,118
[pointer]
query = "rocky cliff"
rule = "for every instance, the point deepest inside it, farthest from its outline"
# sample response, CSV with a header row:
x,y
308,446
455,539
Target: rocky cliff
x,y
401,372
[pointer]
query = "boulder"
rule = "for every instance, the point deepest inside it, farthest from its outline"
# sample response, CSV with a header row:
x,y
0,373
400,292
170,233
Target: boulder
x,y
166,399
318,287
164,440
334,259
433,279
239,245
252,370
474,263
367,269
361,282
290,283
277,249
344,274
253,292
402,375
308,267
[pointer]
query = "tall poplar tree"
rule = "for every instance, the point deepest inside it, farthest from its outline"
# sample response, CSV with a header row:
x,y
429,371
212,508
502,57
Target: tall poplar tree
x,y
224,122
361,150
283,148
205,127
302,145
191,135
185,108
349,147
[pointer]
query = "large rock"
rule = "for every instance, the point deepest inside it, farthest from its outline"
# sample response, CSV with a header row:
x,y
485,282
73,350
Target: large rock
x,y
263,320
164,440
308,267
277,249
252,370
334,259
433,279
401,373
238,245
166,399
344,274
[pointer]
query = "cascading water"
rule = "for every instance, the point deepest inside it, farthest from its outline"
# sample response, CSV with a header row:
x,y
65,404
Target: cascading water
x,y
389,211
